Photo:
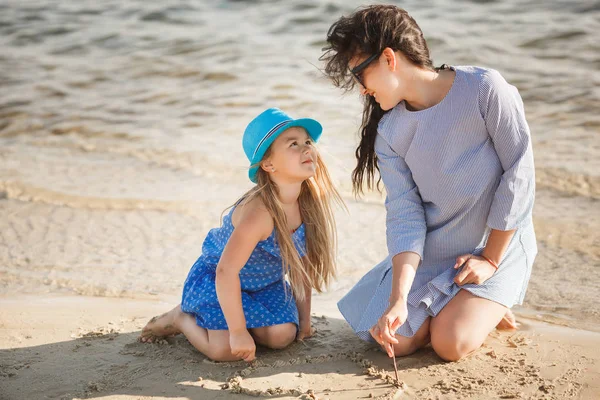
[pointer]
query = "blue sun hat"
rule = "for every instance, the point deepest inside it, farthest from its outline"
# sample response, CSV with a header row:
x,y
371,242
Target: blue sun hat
x,y
265,128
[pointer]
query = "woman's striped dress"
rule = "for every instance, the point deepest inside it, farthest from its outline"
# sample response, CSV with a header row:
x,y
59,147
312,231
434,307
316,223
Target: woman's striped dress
x,y
452,172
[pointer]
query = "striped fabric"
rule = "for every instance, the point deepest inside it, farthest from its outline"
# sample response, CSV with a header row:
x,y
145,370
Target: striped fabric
x,y
269,134
452,172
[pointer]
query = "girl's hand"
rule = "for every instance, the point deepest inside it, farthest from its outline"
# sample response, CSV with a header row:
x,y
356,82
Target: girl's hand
x,y
475,270
305,332
385,330
242,345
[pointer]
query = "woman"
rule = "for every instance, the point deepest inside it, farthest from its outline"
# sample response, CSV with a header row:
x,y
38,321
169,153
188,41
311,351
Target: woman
x,y
453,150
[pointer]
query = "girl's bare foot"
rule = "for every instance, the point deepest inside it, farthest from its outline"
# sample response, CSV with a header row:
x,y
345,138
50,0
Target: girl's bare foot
x,y
161,326
508,322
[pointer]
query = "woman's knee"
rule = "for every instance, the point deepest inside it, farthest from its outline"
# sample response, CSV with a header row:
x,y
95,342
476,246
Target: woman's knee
x,y
462,326
452,346
405,348
408,345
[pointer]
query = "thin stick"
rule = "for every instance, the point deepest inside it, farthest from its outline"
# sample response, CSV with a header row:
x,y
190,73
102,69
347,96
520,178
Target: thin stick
x,y
396,369
394,358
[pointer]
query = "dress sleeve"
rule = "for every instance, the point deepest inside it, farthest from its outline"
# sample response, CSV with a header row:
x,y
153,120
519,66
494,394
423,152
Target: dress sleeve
x,y
405,218
502,109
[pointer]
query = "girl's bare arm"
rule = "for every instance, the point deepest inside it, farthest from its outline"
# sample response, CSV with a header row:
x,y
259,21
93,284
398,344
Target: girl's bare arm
x,y
304,307
253,226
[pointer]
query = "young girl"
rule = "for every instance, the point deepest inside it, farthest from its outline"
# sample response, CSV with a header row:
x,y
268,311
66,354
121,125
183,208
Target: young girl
x,y
236,293
453,149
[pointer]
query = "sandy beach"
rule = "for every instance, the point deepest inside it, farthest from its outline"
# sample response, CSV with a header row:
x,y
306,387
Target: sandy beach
x,y
120,147
61,347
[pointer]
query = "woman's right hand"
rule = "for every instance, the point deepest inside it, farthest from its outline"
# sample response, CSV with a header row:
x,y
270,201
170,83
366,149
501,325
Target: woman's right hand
x,y
242,345
384,330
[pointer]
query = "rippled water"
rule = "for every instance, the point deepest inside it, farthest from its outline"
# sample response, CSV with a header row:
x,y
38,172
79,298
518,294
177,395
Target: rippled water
x,y
176,83
114,113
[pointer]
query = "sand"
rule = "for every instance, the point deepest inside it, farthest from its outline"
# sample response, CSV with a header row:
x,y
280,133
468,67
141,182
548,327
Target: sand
x,y
62,347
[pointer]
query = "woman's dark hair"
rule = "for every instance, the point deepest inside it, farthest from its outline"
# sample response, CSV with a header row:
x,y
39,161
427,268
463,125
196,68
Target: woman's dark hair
x,y
365,32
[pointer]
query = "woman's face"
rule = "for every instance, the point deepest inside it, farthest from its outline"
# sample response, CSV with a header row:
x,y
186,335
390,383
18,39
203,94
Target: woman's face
x,y
380,78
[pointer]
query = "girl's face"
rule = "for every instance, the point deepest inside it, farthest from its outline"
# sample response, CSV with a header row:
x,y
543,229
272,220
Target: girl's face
x,y
382,78
293,156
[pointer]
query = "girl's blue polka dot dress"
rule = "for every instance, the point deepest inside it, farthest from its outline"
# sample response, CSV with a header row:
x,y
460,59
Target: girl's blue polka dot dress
x,y
265,300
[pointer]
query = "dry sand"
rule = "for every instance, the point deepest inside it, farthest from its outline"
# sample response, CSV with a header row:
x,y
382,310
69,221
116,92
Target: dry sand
x,y
60,347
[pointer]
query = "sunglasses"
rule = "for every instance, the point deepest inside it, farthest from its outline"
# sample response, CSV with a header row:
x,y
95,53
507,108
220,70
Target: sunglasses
x,y
358,70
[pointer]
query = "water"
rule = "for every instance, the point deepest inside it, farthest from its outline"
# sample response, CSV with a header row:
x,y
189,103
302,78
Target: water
x,y
121,123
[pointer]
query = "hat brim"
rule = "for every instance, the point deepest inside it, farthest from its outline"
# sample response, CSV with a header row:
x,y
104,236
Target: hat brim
x,y
312,127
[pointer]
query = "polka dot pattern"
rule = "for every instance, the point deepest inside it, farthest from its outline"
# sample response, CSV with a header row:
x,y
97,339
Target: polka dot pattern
x,y
266,297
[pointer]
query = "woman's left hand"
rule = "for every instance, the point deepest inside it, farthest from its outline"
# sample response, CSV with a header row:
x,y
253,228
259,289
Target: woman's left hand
x,y
475,270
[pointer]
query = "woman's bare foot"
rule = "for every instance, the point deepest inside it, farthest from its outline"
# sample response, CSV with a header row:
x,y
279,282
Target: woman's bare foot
x,y
161,326
508,322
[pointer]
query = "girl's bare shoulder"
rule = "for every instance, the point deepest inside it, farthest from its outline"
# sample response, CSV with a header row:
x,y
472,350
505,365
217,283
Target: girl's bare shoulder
x,y
252,217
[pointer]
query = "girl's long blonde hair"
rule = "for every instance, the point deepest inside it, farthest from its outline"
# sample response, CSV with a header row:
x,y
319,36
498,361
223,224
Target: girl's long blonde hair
x,y
315,200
